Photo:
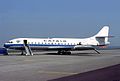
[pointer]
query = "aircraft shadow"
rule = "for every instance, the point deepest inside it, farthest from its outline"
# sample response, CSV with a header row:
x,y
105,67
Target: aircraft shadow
x,y
74,54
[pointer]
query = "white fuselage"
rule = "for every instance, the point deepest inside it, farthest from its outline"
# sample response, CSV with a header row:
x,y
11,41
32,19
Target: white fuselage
x,y
53,41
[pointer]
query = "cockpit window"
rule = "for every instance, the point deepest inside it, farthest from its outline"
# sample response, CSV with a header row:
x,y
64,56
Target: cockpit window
x,y
10,42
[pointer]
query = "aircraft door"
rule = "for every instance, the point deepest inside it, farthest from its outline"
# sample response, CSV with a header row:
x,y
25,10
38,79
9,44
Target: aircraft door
x,y
25,42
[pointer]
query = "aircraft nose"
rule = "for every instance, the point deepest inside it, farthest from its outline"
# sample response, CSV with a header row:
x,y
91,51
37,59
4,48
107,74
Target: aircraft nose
x,y
6,46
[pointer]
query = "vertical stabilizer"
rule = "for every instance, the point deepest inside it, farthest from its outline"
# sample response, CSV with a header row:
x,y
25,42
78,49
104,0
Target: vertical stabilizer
x,y
102,36
103,32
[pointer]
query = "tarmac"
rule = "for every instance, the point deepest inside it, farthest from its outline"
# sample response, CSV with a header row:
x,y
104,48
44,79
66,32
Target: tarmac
x,y
48,66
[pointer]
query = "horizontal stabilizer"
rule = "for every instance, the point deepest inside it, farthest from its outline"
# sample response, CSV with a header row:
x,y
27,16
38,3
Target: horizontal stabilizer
x,y
104,36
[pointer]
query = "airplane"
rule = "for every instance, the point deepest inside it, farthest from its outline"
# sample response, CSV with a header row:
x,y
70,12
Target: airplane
x,y
64,46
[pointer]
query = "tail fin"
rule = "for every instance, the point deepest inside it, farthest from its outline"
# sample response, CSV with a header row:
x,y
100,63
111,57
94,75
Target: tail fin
x,y
102,36
103,32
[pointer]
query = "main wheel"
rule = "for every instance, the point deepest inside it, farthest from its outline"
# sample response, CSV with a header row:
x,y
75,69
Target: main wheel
x,y
59,52
66,53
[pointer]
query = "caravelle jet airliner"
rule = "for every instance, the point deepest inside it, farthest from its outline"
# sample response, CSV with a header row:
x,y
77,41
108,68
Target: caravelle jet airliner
x,y
62,45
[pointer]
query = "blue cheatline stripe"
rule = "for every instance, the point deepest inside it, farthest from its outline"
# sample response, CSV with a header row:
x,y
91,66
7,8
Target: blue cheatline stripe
x,y
10,45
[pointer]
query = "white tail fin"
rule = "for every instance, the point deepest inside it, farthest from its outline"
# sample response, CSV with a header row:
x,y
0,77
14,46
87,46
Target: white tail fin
x,y
102,36
103,32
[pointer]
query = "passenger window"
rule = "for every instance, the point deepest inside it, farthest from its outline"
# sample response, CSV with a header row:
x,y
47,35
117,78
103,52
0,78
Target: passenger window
x,y
18,41
57,40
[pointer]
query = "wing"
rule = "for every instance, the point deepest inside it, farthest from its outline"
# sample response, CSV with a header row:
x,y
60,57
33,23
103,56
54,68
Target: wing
x,y
76,47
84,47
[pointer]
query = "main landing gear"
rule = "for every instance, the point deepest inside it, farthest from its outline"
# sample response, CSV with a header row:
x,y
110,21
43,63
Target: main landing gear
x,y
64,52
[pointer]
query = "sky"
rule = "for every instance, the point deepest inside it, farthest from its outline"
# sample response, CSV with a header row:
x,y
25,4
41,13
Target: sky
x,y
58,18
